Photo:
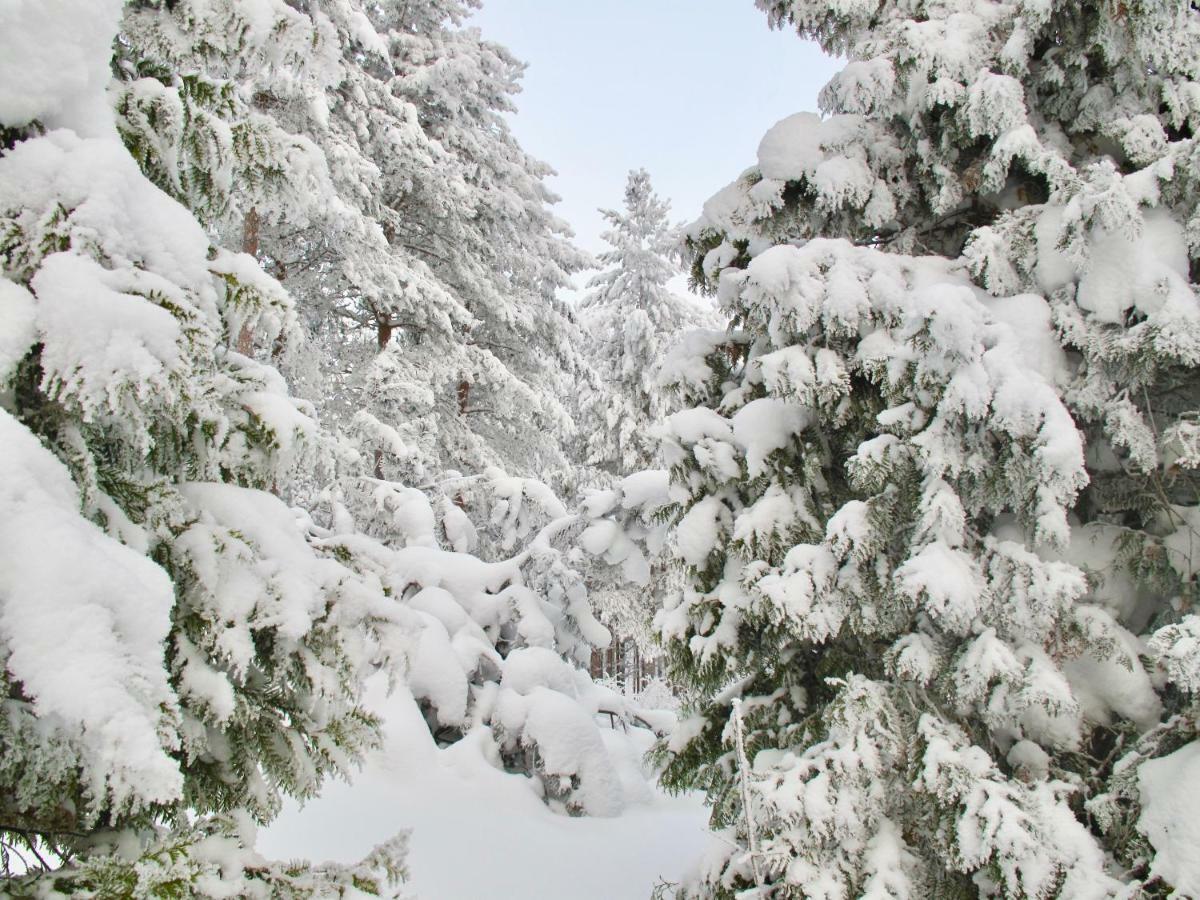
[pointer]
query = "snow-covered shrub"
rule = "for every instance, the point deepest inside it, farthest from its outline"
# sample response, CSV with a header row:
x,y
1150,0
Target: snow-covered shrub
x,y
213,858
492,649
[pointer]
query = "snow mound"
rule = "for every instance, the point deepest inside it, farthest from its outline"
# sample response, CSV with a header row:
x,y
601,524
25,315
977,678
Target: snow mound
x,y
460,805
1169,788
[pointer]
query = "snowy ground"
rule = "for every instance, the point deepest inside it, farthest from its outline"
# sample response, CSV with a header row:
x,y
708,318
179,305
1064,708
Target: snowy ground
x,y
478,832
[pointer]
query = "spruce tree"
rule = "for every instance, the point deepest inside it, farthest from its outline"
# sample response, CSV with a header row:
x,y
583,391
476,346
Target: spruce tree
x,y
939,472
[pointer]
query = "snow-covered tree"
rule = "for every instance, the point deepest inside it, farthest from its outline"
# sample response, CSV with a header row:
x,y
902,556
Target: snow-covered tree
x,y
502,401
382,181
938,484
319,155
174,651
630,317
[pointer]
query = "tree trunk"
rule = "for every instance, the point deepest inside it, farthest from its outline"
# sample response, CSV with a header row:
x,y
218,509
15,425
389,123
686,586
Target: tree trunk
x,y
245,340
464,397
383,334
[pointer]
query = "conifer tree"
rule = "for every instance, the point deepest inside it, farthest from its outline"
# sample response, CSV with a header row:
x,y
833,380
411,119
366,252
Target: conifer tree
x,y
176,656
629,316
380,178
503,260
320,155
939,481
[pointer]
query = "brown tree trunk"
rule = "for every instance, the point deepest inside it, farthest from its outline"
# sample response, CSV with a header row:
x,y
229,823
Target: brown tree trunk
x,y
383,334
245,340
464,397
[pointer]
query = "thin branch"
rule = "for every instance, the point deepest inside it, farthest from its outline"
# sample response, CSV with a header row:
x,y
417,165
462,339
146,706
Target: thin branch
x,y
40,832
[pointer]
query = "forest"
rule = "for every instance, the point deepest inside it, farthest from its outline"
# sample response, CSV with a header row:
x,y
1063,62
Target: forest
x,y
349,548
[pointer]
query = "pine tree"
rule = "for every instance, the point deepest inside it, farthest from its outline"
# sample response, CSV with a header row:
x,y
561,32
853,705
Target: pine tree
x,y
938,473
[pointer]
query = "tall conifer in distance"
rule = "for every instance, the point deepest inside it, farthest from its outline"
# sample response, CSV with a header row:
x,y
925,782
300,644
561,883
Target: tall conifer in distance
x,y
629,318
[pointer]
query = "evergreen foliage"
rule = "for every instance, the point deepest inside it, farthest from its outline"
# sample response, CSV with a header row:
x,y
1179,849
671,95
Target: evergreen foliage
x,y
936,487
181,649
629,317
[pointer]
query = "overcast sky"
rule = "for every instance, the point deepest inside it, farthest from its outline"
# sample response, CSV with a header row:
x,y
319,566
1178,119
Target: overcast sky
x,y
684,88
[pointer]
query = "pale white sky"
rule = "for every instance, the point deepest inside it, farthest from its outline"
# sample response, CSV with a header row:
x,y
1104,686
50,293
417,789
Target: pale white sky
x,y
684,88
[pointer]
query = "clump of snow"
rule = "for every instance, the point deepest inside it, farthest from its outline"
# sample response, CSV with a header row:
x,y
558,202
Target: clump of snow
x,y
114,211
1030,760
437,674
1169,787
697,532
528,668
54,63
19,332
1117,682
102,345
645,490
460,531
829,155
791,148
1177,651
82,624
1029,317
765,425
1146,273
798,146
694,425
